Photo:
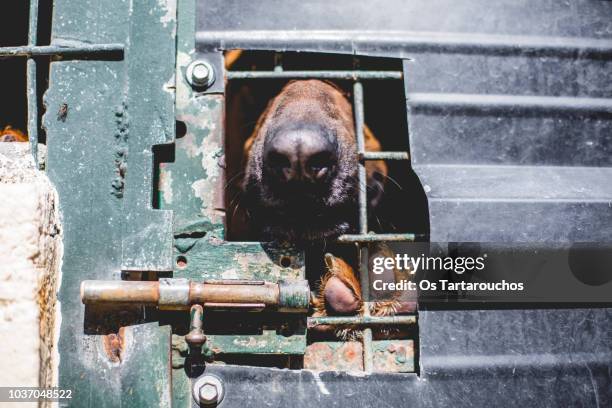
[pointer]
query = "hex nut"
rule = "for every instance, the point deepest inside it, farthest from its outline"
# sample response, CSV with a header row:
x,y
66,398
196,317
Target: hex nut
x,y
208,394
208,390
200,74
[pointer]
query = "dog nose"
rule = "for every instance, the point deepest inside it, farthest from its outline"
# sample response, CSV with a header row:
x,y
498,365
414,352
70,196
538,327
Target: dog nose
x,y
300,155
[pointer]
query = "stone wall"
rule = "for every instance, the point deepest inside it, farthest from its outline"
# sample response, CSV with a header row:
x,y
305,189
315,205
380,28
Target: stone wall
x,y
30,258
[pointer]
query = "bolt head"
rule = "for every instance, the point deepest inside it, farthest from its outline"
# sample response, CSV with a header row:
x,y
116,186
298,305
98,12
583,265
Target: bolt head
x,y
208,390
208,394
200,74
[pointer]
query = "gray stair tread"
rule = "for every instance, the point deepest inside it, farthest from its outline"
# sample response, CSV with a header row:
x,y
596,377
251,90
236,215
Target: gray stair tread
x,y
524,183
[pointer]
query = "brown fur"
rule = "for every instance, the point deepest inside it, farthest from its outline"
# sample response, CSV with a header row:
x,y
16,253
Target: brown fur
x,y
231,56
12,135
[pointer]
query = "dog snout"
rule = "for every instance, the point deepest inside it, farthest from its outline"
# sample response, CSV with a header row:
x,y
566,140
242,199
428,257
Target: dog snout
x,y
300,155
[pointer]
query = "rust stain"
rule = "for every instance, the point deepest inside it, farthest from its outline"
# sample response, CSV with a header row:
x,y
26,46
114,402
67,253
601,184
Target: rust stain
x,y
114,345
394,356
389,356
329,356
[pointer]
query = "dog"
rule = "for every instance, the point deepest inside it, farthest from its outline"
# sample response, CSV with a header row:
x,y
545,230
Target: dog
x,y
301,185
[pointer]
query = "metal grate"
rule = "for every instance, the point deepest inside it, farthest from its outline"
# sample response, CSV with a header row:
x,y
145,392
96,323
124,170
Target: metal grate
x,y
32,50
366,322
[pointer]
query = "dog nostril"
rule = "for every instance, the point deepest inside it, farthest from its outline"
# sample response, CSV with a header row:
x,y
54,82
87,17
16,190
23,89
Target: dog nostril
x,y
318,173
278,160
320,165
280,164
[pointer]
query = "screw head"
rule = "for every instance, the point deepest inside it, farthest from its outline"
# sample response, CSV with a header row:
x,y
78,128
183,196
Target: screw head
x,y
208,390
200,74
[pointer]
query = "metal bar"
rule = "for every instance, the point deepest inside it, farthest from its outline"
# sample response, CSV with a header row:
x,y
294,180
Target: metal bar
x,y
32,91
60,51
231,306
278,62
384,156
401,42
348,75
558,104
368,353
364,279
361,320
33,25
350,238
211,294
180,294
196,338
358,108
124,292
32,95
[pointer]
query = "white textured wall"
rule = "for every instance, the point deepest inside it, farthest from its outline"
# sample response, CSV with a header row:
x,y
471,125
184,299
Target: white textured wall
x,y
30,257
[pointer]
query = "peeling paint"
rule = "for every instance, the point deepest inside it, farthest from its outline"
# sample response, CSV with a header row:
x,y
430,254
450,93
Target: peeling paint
x,y
169,9
230,274
183,92
165,185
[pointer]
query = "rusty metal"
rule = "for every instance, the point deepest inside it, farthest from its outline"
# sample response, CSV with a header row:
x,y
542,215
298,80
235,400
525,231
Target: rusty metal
x,y
361,320
196,338
227,296
290,297
113,345
294,295
388,356
131,292
342,356
393,356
